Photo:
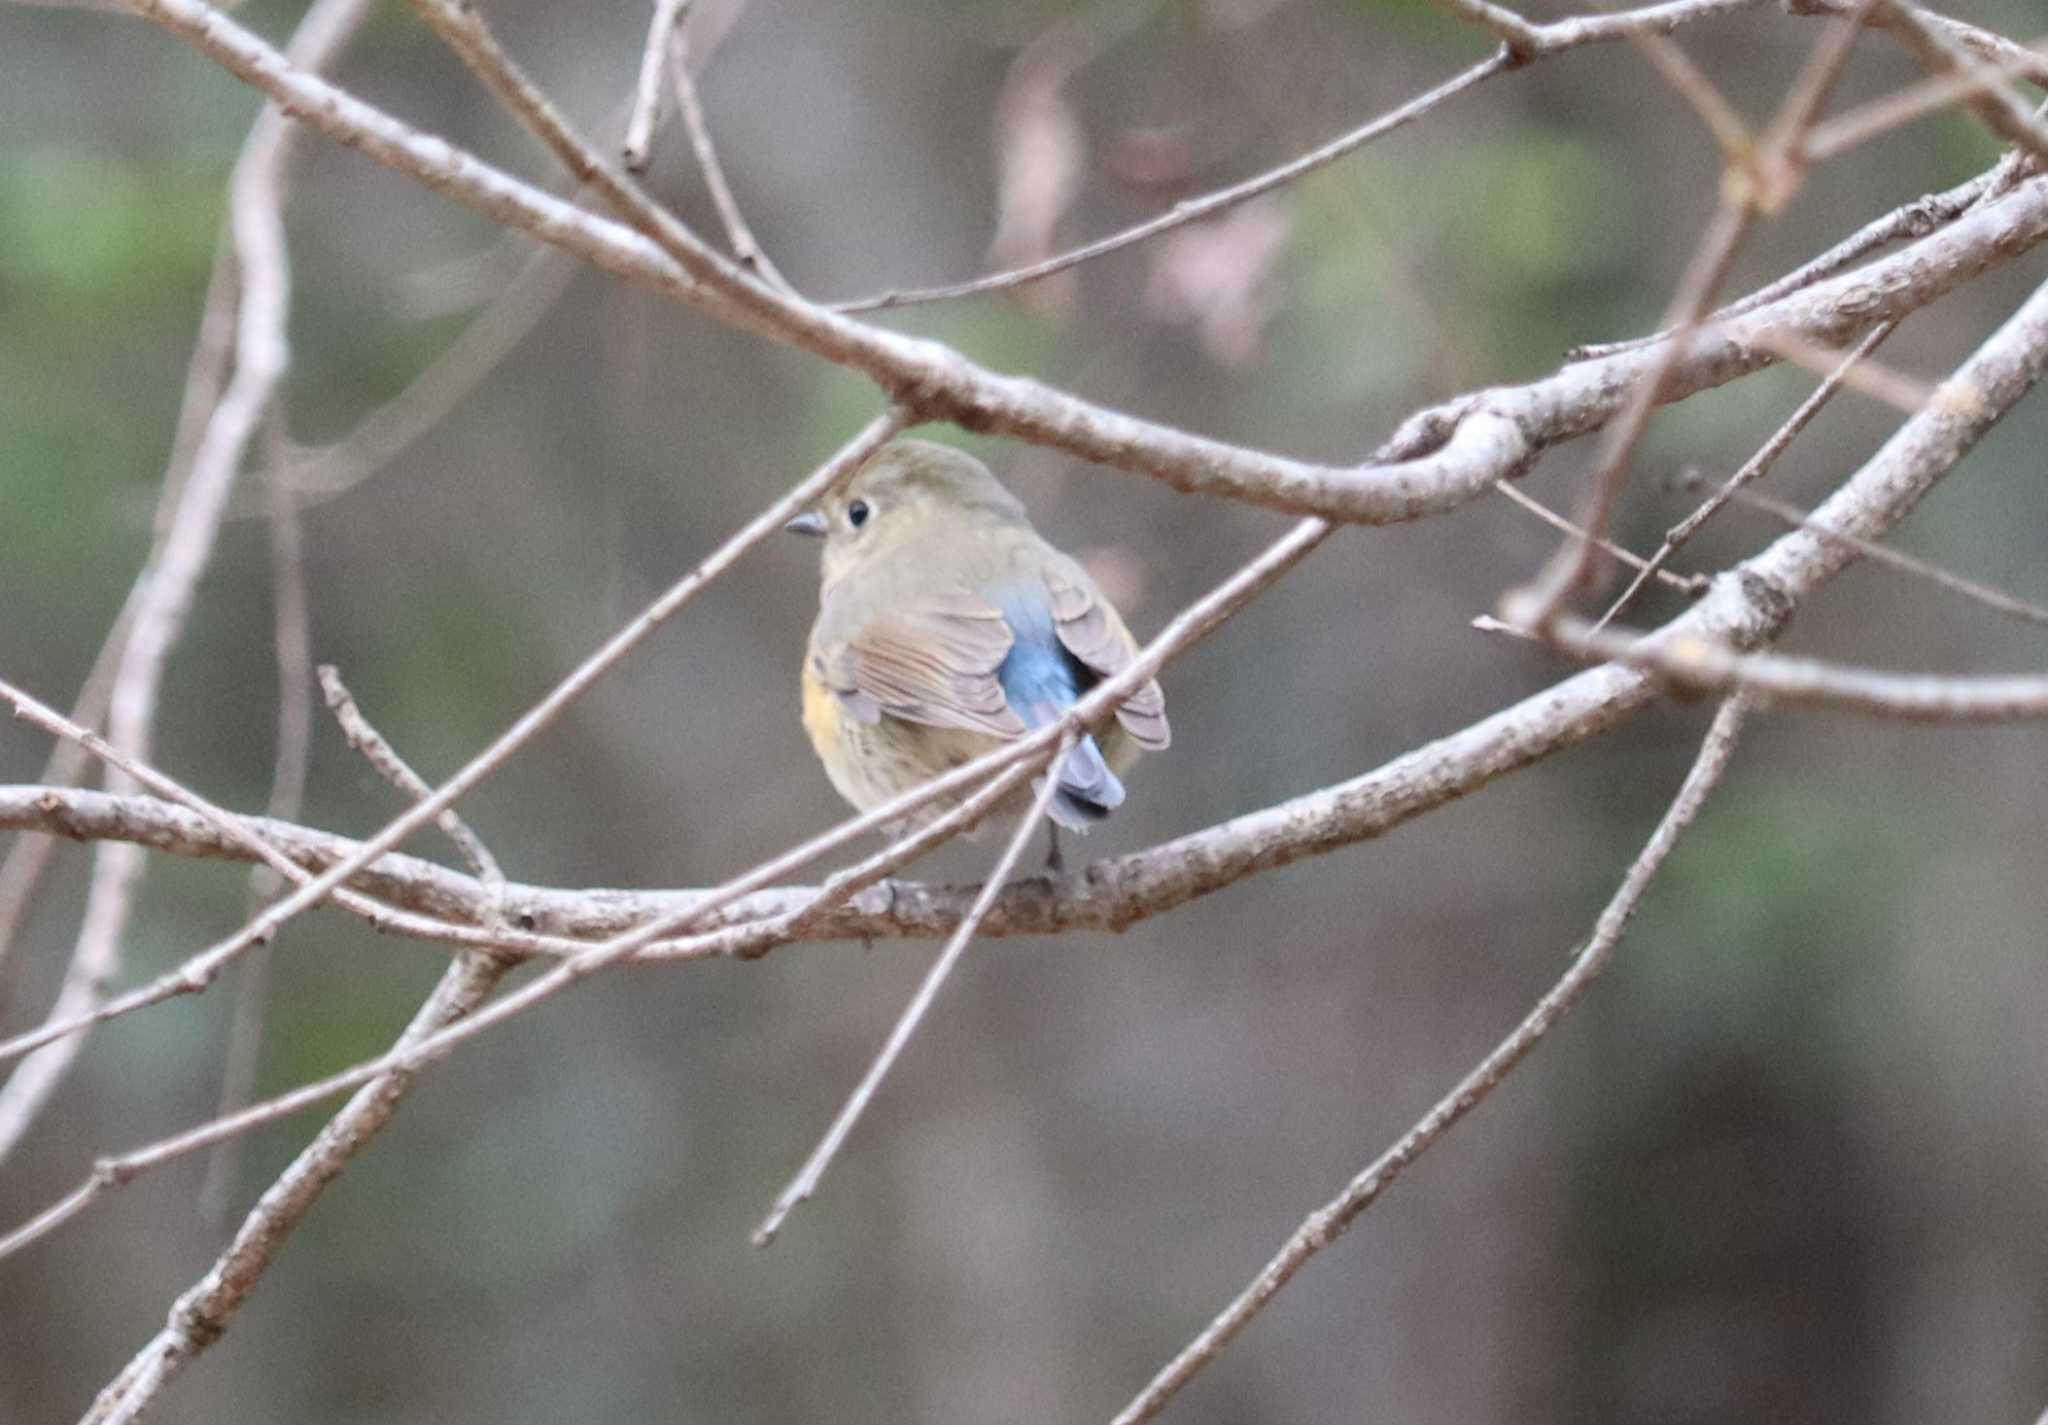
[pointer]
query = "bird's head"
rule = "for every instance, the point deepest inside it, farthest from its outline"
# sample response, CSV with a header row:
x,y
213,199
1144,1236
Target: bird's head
x,y
909,493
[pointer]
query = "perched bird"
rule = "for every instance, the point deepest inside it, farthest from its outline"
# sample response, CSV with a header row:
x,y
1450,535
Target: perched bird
x,y
946,627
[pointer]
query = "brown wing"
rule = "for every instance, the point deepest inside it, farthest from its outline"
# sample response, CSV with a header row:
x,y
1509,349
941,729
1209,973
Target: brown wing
x,y
1093,633
935,666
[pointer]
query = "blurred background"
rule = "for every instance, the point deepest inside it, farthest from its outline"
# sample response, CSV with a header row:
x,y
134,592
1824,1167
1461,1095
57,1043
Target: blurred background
x,y
1789,1162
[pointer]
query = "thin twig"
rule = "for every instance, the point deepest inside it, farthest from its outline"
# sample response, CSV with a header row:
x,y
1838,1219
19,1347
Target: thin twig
x,y
293,635
1916,219
1741,202
482,345
543,274
812,1173
29,855
176,564
201,1315
1752,469
1439,460
379,753
1195,209
1572,566
1917,101
1192,624
1863,375
647,94
1985,44
1329,1222
1530,42
745,246
1684,583
1705,665
1970,589
1994,101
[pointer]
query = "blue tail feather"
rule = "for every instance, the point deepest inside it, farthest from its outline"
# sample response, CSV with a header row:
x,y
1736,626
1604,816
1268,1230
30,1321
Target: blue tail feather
x,y
1041,680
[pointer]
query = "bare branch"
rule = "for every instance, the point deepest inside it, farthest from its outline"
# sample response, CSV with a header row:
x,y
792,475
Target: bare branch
x,y
256,221
1916,219
1971,589
1941,53
647,94
1684,583
1766,182
202,1314
194,974
1701,665
1329,1222
745,246
1523,40
1750,471
812,1173
380,754
1495,431
1194,210
293,635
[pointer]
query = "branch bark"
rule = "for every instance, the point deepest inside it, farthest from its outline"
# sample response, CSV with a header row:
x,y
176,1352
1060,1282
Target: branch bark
x,y
1439,460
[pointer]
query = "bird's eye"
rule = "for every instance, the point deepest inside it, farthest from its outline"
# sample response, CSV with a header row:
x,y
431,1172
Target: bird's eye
x,y
857,513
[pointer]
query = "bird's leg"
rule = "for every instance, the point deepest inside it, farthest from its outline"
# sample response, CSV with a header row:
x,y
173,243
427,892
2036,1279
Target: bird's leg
x,y
1055,860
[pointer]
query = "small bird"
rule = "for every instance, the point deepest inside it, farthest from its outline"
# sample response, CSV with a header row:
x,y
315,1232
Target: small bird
x,y
947,626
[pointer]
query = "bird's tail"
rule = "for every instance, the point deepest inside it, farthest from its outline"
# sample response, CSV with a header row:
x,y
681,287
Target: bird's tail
x,y
1088,791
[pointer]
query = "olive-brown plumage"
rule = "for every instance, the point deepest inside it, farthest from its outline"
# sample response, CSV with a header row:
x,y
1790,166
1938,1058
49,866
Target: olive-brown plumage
x,y
947,626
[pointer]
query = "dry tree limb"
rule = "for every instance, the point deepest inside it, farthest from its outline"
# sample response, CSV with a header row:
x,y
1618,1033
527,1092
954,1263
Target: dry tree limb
x,y
1759,180
169,582
1438,461
646,113
1941,53
746,248
1030,752
1530,41
806,1181
1974,590
533,721
379,753
1329,1222
1645,569
1750,471
201,1315
1924,215
1702,665
292,635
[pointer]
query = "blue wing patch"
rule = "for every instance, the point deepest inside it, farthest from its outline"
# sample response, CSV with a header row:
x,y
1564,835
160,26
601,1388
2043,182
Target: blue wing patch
x,y
1041,680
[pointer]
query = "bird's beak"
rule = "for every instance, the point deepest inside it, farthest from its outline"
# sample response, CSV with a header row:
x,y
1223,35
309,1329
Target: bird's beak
x,y
809,522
